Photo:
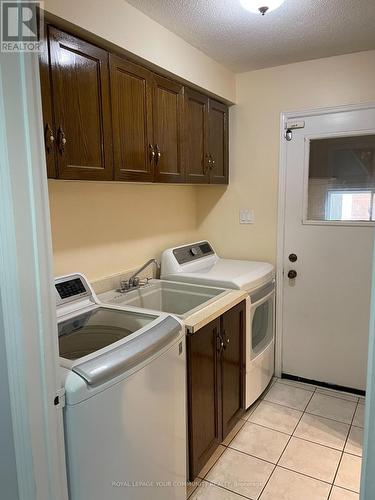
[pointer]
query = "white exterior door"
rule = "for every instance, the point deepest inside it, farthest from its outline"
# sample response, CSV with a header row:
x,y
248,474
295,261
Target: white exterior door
x,y
329,209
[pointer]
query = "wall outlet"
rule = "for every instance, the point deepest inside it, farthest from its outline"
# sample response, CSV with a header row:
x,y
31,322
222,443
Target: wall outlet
x,y
247,216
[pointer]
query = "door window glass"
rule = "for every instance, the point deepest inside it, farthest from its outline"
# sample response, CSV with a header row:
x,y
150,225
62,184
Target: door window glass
x,y
341,183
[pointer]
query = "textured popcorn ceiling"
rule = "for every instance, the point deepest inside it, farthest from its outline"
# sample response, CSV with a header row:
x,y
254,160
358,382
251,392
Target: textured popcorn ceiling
x,y
299,30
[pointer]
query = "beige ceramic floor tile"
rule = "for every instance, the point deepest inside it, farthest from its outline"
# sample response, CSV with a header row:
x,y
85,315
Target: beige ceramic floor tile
x,y
340,494
211,461
208,491
192,486
240,473
300,385
359,417
288,485
268,388
338,394
289,396
233,432
260,442
277,417
311,459
355,441
322,431
334,408
349,473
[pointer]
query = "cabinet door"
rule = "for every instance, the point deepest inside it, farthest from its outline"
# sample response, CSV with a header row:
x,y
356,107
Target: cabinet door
x,y
48,122
81,107
196,137
168,134
233,366
131,120
204,427
218,142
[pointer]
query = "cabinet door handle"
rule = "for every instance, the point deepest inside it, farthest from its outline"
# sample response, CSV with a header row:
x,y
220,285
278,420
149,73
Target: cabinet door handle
x,y
152,153
158,153
61,140
219,343
207,165
49,138
226,341
212,162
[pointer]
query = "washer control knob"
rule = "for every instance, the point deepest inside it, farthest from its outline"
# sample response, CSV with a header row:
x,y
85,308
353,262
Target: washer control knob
x,y
292,274
193,251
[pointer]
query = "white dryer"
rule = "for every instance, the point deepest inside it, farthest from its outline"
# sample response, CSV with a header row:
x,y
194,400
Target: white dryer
x,y
199,263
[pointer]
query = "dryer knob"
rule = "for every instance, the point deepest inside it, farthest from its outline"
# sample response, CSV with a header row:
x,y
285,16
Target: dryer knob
x,y
193,251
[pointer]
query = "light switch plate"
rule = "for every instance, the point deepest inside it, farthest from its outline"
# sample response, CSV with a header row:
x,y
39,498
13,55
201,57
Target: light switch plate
x,y
247,216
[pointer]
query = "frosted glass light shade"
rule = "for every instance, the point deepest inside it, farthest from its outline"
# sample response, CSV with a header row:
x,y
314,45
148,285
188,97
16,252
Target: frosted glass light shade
x,y
255,5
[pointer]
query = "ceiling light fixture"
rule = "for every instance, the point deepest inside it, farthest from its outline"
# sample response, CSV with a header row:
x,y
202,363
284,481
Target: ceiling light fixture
x,y
261,6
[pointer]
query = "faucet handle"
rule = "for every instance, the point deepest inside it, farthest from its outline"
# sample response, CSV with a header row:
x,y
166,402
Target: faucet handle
x,y
136,281
124,285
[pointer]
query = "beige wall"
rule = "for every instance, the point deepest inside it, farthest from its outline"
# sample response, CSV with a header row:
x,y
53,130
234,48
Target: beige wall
x,y
254,145
127,27
102,228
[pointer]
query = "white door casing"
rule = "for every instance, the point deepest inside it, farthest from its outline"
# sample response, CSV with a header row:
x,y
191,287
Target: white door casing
x,y
323,315
27,297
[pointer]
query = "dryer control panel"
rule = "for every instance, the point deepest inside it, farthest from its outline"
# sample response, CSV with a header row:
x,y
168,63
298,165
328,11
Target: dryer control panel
x,y
193,252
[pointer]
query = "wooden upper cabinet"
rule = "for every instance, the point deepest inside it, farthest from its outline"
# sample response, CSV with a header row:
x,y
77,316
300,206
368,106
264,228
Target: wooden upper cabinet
x,y
108,118
168,108
131,92
196,137
218,142
48,121
206,139
81,108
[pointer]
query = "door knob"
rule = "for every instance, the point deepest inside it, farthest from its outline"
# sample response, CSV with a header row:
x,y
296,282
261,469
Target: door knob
x,y
292,274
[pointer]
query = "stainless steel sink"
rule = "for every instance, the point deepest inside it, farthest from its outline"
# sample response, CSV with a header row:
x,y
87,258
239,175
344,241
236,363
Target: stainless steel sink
x,y
181,299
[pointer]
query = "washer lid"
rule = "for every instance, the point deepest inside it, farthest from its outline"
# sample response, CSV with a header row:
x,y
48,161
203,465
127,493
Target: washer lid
x,y
227,273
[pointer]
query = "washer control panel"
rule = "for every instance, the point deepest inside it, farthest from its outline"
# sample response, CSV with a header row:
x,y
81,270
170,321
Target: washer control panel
x,y
190,253
70,288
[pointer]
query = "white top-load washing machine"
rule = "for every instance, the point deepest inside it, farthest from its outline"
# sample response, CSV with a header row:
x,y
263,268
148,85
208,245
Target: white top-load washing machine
x,y
199,263
124,418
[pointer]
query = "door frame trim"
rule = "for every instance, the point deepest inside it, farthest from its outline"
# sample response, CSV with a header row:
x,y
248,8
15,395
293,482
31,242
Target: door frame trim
x,y
27,292
284,117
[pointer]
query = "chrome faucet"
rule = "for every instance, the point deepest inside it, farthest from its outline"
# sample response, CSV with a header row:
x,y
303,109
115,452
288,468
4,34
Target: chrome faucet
x,y
134,281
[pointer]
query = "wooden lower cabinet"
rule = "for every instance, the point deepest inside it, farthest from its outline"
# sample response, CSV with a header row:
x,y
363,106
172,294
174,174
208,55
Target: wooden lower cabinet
x,y
216,384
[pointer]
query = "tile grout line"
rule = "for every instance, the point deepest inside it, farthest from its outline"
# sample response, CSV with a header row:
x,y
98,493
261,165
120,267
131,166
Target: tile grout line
x,y
308,413
342,454
227,445
303,412
257,403
282,453
292,435
226,489
318,389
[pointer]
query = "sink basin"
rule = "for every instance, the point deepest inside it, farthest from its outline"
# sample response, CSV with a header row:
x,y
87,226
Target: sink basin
x,y
181,299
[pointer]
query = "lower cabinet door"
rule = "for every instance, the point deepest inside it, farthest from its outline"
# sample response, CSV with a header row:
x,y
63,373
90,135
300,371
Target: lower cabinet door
x,y
204,426
233,366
